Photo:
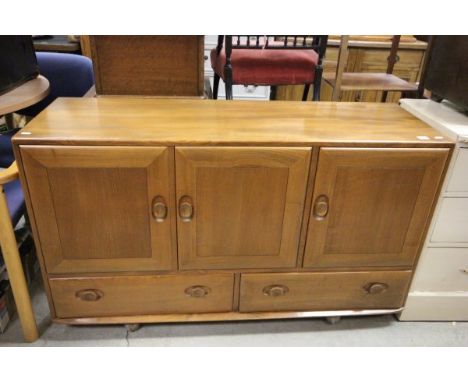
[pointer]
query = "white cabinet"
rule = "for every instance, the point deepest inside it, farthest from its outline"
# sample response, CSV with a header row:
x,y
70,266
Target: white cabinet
x,y
260,93
451,223
458,181
439,290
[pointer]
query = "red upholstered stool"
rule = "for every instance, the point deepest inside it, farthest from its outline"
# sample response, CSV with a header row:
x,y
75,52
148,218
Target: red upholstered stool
x,y
265,61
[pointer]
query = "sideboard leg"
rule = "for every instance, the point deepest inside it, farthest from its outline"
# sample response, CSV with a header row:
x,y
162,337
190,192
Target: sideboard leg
x,y
333,320
132,327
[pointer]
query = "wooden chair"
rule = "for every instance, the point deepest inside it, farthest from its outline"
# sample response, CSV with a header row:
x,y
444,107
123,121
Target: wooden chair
x,y
269,60
12,207
385,82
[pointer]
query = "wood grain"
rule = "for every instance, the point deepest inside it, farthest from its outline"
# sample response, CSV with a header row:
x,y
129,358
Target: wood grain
x,y
226,316
248,205
122,295
148,65
162,122
323,291
379,202
93,207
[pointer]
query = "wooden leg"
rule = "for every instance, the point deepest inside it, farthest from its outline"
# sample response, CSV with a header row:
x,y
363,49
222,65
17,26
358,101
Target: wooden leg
x,y
9,121
215,86
15,272
306,92
317,84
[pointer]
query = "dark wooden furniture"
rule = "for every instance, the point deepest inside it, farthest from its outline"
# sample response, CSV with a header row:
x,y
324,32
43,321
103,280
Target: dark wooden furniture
x,y
269,60
148,65
151,210
56,43
366,54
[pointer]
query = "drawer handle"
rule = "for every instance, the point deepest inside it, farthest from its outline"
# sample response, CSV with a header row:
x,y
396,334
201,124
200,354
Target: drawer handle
x,y
159,209
275,290
376,288
186,208
89,294
321,207
197,291
465,271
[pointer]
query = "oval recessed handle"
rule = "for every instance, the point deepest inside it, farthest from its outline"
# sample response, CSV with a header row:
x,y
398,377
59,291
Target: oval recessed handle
x,y
186,208
159,209
321,207
197,291
376,288
89,294
275,290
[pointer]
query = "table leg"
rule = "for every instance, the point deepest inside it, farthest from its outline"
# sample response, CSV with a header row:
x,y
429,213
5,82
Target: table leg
x,y
15,272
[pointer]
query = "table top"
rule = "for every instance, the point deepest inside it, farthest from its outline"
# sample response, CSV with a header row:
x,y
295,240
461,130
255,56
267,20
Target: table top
x,y
56,43
25,95
183,122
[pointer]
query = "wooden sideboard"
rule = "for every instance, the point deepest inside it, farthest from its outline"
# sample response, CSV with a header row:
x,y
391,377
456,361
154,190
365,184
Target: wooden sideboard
x,y
366,54
147,210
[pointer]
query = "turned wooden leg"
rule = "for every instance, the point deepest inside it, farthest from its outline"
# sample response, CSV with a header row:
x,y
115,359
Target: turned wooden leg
x,y
333,320
15,272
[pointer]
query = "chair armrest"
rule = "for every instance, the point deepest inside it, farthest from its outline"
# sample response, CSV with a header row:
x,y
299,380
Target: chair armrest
x,y
9,174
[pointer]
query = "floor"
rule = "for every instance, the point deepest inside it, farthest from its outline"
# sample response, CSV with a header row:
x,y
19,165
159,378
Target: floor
x,y
358,331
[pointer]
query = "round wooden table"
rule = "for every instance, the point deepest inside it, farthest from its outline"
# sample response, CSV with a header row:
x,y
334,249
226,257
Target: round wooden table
x,y
25,95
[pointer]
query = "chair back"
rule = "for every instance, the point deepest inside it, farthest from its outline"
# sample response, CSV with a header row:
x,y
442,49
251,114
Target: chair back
x,y
314,42
70,75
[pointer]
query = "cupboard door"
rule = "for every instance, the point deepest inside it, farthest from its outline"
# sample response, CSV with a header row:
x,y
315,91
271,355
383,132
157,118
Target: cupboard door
x,y
240,207
370,206
102,209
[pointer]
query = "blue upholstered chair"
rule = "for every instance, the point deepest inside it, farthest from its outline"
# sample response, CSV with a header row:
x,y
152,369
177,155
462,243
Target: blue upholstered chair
x,y
69,76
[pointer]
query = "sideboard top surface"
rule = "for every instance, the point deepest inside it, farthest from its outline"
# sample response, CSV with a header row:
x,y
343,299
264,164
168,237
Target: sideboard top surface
x,y
149,121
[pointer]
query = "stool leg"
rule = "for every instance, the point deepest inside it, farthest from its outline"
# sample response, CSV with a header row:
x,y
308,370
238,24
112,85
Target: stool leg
x,y
15,272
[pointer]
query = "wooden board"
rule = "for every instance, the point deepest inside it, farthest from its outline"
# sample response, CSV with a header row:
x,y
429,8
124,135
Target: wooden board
x,y
93,207
323,291
247,206
130,121
148,65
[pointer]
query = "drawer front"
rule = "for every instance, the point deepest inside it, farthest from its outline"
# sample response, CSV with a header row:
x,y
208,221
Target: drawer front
x,y
458,181
452,222
442,270
140,295
323,291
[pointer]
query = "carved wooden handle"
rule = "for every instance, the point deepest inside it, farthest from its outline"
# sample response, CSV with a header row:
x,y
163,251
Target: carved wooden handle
x,y
275,290
197,291
186,208
376,288
89,294
321,207
159,209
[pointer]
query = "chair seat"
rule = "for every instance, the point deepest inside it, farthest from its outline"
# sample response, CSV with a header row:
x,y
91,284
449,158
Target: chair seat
x,y
15,200
268,66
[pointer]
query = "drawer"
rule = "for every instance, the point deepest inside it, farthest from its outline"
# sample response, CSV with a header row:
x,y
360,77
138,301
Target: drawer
x,y
451,224
442,270
458,181
323,291
140,295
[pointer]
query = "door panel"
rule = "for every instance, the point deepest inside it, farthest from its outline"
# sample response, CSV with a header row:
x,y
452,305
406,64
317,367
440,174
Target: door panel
x,y
371,205
247,206
93,206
